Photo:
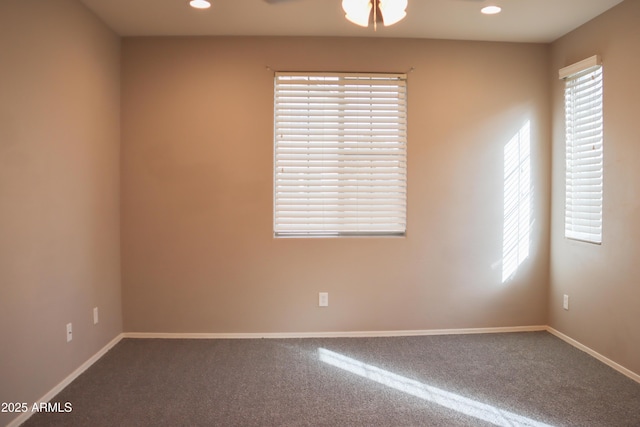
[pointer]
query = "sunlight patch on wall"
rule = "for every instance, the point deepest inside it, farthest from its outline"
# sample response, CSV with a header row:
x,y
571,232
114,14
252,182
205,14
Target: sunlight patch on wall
x,y
517,201
429,393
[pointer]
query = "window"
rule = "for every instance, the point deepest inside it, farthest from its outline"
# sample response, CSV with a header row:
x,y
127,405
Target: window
x,y
340,154
584,151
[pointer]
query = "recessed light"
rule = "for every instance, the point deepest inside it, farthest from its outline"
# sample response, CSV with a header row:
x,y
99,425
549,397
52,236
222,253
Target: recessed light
x,y
200,4
491,10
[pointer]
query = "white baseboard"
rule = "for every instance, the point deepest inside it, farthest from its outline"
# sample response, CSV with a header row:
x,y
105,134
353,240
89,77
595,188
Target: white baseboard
x,y
627,372
75,374
349,334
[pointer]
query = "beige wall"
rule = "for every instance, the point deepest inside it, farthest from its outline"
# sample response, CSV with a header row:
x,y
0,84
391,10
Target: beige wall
x,y
198,247
59,193
603,281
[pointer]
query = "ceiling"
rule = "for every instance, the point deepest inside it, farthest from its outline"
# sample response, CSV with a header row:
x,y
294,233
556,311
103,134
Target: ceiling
x,y
539,21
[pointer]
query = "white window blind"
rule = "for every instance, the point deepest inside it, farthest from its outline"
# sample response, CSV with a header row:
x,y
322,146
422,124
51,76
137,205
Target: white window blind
x,y
584,150
340,154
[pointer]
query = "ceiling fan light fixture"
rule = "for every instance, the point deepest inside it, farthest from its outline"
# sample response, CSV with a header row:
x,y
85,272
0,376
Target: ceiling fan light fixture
x,y
393,11
200,4
491,10
357,11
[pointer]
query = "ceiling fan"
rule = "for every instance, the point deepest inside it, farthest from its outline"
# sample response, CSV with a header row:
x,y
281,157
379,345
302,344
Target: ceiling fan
x,y
387,12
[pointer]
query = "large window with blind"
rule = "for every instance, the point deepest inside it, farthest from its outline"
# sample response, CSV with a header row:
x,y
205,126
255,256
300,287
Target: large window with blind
x,y
340,157
584,150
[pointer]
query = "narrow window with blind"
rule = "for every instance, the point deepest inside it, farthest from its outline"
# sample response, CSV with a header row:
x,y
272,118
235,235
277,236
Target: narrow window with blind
x,y
584,150
340,153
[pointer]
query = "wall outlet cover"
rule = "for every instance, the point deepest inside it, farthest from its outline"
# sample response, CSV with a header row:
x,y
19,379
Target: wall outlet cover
x,y
323,299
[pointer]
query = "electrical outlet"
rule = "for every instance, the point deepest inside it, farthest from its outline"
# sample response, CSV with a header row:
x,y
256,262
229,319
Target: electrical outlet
x,y
565,302
95,315
323,299
69,332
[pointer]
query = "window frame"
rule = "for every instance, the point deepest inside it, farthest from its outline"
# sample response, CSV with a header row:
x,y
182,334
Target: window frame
x,y
345,134
584,150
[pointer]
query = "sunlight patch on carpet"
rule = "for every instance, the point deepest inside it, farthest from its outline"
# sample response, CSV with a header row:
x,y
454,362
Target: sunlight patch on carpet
x,y
464,405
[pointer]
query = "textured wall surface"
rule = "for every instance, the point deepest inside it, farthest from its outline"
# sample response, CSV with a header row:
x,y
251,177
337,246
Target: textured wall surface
x,y
59,193
198,248
602,280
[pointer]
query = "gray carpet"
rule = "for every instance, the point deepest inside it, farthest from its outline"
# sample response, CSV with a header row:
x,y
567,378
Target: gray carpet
x,y
517,379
